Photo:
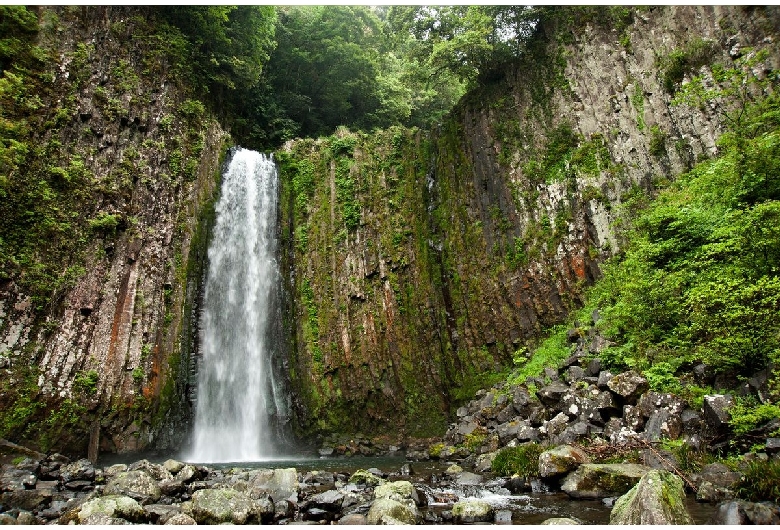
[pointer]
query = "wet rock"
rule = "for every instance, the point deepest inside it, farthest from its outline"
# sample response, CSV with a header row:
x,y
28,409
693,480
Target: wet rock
x,y
772,446
27,499
658,498
225,505
280,484
717,474
6,519
628,385
709,492
180,519
112,506
560,520
389,511
593,481
468,479
137,485
716,410
744,512
354,519
561,460
472,511
502,517
330,500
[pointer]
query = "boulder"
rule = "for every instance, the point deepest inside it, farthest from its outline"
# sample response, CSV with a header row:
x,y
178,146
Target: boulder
x,y
472,511
716,410
173,466
552,394
182,519
156,471
224,505
27,499
363,477
330,500
280,484
628,385
468,479
400,490
744,512
484,462
389,511
112,506
560,520
658,498
595,481
718,475
160,513
561,460
135,484
78,470
663,424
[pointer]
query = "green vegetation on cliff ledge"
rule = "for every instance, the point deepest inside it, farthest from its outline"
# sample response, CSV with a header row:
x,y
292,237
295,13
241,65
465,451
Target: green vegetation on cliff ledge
x,y
699,279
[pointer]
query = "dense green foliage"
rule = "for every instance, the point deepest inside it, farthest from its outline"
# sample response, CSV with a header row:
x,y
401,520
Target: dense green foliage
x,y
522,460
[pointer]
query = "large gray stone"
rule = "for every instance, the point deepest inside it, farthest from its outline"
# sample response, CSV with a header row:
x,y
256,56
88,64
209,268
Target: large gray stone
x,y
280,484
78,470
552,394
658,498
472,511
389,511
561,460
135,484
716,410
744,512
628,385
224,505
595,481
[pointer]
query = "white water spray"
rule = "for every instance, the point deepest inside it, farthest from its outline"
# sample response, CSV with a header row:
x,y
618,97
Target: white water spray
x,y
238,397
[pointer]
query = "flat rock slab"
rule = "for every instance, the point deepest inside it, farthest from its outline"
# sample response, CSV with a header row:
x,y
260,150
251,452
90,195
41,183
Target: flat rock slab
x,y
596,481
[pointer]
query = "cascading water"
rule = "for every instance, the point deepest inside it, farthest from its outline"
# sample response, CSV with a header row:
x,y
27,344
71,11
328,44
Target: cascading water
x,y
239,399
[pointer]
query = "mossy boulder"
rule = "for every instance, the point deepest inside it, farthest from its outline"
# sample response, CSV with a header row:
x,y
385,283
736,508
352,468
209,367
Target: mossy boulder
x,y
658,498
472,511
112,506
595,481
561,460
137,484
280,484
361,476
389,511
217,506
398,490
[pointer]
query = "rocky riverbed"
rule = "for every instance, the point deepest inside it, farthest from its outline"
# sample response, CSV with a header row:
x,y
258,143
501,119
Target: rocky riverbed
x,y
40,489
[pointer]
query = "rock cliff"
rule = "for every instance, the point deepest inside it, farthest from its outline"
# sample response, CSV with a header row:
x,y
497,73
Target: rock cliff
x,y
97,351
421,264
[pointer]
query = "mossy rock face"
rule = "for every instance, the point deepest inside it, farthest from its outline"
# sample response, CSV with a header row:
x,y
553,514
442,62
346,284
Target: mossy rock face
x,y
112,506
472,511
658,498
595,481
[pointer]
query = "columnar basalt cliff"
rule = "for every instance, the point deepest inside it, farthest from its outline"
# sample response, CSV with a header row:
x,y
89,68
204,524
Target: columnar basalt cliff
x,y
132,165
417,263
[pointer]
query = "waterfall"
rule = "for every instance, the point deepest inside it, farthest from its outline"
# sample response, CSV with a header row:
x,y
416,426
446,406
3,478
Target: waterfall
x,y
239,399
